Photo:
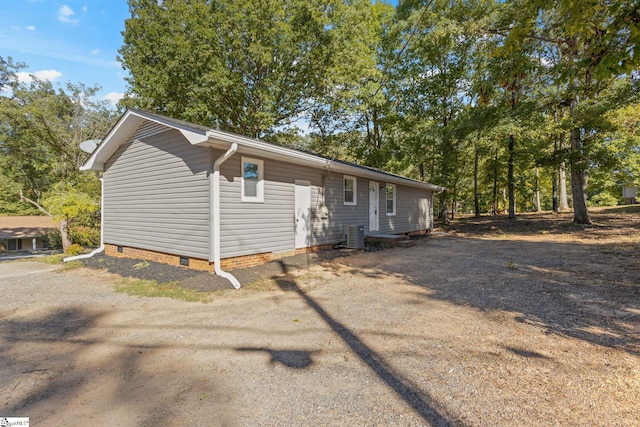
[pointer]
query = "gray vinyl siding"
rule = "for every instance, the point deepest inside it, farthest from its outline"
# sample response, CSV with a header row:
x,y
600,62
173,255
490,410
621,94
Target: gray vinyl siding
x,y
156,192
332,229
157,197
250,228
412,211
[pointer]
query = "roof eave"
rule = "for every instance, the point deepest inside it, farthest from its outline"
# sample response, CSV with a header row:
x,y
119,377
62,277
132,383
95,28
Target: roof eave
x,y
250,146
122,130
200,135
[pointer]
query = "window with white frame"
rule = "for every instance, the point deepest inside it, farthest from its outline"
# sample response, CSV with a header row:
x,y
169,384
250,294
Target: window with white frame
x,y
252,180
391,199
350,190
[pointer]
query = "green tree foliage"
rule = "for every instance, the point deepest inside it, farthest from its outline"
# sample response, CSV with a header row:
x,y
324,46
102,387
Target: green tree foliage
x,y
251,67
66,205
592,50
40,131
490,98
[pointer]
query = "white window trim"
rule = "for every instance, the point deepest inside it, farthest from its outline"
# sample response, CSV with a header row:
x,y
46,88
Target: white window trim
x,y
355,190
260,197
395,192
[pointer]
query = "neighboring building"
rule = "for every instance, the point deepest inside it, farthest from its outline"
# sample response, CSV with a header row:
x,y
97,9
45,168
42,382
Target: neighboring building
x,y
23,233
629,193
163,199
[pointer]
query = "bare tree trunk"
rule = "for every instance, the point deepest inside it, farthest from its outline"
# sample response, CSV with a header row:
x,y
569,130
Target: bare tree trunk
x,y
63,226
579,177
505,205
512,155
562,188
494,200
537,207
562,180
510,178
476,201
554,181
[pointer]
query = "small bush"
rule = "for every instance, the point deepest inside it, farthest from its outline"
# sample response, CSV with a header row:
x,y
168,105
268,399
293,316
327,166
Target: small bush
x,y
85,236
75,249
603,199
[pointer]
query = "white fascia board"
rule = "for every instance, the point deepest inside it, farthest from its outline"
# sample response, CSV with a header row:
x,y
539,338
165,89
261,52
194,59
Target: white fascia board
x,y
119,133
259,148
128,123
191,133
382,177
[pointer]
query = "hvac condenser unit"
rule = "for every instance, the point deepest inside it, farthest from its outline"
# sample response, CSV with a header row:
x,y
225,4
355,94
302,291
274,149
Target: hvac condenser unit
x,y
354,236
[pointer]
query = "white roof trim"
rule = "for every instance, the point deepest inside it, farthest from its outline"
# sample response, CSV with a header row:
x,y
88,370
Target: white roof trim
x,y
260,148
198,135
128,124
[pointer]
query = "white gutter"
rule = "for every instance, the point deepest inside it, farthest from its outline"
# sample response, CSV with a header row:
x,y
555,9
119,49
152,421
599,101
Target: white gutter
x,y
101,248
215,194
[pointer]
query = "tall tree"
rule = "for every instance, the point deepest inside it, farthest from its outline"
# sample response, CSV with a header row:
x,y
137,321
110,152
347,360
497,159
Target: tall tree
x,y
437,39
596,44
250,67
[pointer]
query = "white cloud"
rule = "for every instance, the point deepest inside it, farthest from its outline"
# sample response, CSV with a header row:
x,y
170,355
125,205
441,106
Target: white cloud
x,y
31,28
95,51
49,75
65,14
114,97
84,8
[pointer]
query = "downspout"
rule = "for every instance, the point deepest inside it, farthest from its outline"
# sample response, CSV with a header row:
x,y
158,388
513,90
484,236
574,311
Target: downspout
x,y
215,193
101,247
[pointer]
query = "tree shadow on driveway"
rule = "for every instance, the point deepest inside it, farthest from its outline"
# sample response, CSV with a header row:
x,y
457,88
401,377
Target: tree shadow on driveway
x,y
419,401
585,291
59,365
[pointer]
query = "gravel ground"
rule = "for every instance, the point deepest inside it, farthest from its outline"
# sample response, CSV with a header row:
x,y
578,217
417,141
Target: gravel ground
x,y
504,326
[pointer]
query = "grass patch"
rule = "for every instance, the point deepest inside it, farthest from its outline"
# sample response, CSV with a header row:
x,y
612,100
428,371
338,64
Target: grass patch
x,y
151,288
49,259
57,259
72,265
261,285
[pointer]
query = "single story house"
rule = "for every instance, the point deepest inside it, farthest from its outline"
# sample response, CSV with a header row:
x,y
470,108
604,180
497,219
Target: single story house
x,y
22,233
186,194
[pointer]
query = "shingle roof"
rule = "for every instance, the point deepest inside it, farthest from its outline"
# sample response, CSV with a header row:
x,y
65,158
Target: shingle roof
x,y
16,227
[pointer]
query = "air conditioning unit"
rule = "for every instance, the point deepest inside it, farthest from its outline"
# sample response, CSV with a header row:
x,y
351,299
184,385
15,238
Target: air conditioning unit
x,y
354,236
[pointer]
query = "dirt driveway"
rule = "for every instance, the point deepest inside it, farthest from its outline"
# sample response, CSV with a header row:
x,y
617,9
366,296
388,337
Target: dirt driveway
x,y
495,328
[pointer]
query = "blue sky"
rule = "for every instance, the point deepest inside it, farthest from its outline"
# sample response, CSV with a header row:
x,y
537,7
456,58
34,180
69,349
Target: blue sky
x,y
67,41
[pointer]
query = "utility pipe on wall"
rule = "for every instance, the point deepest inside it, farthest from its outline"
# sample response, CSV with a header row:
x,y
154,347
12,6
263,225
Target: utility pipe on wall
x,y
215,194
101,247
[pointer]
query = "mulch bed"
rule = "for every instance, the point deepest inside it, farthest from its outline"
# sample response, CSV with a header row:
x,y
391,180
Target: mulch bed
x,y
203,281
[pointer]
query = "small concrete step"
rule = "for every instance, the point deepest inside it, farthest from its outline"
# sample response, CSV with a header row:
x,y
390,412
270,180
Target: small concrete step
x,y
405,243
388,240
384,237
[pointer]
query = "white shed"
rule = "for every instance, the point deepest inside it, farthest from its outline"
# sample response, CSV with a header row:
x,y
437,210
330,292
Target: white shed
x,y
629,192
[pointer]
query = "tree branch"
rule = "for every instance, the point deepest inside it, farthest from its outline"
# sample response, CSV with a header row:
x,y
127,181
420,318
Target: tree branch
x,y
23,198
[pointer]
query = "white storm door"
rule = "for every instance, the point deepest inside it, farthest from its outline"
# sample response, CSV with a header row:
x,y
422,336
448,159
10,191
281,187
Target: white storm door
x,y
374,203
302,214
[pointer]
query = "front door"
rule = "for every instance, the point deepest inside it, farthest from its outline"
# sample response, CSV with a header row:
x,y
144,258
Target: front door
x,y
302,214
374,203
